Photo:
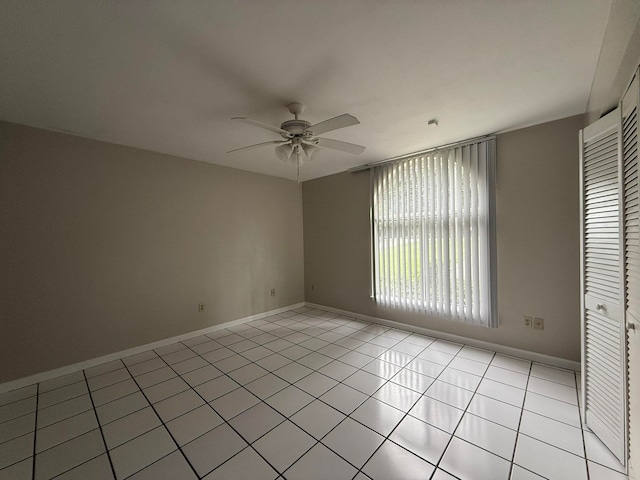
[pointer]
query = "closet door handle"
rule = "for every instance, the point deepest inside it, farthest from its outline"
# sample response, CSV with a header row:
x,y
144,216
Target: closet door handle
x,y
600,306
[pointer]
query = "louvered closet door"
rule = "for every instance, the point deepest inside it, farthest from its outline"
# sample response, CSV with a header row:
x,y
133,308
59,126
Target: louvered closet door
x,y
604,332
630,129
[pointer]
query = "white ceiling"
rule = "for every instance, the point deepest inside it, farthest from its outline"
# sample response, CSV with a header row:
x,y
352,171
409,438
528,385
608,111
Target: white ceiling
x,y
167,76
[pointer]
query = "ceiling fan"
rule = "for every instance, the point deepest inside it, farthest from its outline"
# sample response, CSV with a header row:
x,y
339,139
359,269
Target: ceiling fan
x,y
300,138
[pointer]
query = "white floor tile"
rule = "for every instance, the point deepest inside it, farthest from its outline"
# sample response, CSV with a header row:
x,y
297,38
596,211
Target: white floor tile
x,y
598,453
344,398
60,411
519,473
246,464
507,376
553,390
289,400
442,475
18,394
292,372
469,366
421,438
283,445
16,450
552,432
61,381
320,463
397,396
317,419
126,428
449,394
191,425
18,471
496,411
234,403
60,432
337,370
213,448
488,435
499,391
68,455
479,355
511,363
201,375
160,391
172,467
555,409
436,356
177,405
467,461
413,380
256,421
60,394
112,377
216,388
353,441
437,413
316,384
447,347
17,427
154,377
547,461
382,369
392,461
329,366
230,364
98,467
266,386
558,375
378,416
248,373
425,367
599,472
461,379
114,392
364,382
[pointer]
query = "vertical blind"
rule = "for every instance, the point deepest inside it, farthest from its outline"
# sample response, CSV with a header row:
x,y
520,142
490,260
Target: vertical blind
x,y
433,233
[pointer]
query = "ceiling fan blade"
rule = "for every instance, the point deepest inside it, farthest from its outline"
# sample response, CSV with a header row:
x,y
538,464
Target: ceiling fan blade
x,y
257,145
342,146
341,121
262,125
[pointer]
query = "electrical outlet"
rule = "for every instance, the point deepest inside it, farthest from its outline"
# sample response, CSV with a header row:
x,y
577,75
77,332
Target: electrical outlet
x,y
201,307
273,292
538,323
528,321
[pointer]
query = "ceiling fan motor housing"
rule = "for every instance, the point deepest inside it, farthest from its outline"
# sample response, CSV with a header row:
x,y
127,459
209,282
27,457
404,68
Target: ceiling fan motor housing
x,y
295,127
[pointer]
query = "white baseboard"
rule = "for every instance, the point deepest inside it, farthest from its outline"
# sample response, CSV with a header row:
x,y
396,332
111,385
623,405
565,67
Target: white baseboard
x,y
57,372
514,352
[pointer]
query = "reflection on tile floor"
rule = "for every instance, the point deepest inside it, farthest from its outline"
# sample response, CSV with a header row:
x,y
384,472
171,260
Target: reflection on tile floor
x,y
305,394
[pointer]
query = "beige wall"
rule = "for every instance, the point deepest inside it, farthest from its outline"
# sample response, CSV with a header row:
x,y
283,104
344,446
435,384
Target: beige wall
x,y
537,243
104,247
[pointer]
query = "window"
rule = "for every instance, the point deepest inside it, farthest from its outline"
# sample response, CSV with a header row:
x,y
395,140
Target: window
x,y
433,233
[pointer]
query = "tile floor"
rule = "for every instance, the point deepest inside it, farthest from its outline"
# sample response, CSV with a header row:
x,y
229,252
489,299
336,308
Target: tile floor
x,y
305,394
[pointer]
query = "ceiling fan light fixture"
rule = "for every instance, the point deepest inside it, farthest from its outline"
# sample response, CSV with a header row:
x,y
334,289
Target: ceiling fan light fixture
x,y
283,152
311,151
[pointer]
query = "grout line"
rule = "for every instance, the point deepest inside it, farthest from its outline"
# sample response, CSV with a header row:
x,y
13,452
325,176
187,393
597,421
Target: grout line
x,y
515,444
35,433
161,422
95,413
